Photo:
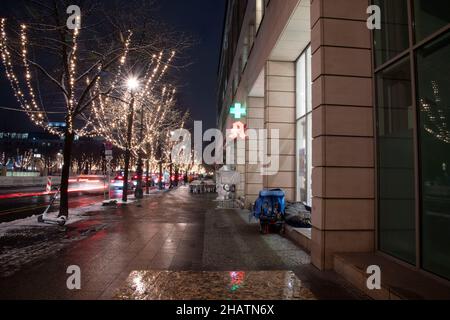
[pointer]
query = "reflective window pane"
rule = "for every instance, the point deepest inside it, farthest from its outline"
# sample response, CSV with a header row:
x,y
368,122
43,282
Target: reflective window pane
x,y
433,83
430,16
260,8
301,160
301,86
304,126
308,80
309,160
393,37
396,162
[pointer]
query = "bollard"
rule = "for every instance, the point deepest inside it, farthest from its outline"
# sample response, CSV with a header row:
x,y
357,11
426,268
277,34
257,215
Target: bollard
x,y
48,189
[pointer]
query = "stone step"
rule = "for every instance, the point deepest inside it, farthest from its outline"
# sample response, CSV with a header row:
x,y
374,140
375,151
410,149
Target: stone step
x,y
300,236
398,282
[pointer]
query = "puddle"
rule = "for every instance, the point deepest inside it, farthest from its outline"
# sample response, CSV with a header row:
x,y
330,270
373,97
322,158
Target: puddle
x,y
234,285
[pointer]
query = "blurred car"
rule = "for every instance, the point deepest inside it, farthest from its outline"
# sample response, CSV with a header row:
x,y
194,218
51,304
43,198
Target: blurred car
x,y
117,183
87,184
134,180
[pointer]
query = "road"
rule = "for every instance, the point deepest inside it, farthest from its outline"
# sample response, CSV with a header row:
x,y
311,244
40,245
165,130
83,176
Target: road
x,y
25,202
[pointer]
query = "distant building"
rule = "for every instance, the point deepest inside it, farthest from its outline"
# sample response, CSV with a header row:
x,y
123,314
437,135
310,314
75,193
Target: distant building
x,y
40,143
41,149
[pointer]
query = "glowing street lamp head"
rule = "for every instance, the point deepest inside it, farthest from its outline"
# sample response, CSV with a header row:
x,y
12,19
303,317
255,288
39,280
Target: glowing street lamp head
x,y
133,84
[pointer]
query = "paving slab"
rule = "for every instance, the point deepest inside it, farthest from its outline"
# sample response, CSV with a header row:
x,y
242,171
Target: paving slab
x,y
169,233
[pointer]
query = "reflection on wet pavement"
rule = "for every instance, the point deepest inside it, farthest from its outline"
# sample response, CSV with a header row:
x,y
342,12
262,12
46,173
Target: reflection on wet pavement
x,y
183,236
235,285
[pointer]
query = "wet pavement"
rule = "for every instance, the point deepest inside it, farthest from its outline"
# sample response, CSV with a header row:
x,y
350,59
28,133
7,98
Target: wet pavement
x,y
174,234
209,285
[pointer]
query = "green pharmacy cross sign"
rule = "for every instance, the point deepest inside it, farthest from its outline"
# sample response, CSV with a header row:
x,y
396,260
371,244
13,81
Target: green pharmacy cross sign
x,y
237,110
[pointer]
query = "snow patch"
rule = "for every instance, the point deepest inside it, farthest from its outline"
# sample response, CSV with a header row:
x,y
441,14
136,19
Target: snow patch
x,y
26,241
75,215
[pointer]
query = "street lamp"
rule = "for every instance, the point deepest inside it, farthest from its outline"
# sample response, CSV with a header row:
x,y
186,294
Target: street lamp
x,y
132,84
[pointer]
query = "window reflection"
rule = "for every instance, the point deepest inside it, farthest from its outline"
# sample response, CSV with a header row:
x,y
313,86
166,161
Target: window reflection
x,y
301,160
396,162
304,127
433,69
430,16
393,38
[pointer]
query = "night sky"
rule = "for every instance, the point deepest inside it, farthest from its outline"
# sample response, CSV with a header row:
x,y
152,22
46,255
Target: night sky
x,y
203,20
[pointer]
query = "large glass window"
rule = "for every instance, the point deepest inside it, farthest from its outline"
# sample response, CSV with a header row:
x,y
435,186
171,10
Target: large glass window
x,y
393,36
396,161
301,87
304,127
260,8
301,161
309,166
433,70
430,16
414,132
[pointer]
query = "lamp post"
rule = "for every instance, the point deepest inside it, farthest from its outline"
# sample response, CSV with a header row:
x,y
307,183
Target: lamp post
x,y
139,192
132,85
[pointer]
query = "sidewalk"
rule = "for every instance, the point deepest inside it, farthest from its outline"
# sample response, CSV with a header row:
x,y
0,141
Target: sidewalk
x,y
172,231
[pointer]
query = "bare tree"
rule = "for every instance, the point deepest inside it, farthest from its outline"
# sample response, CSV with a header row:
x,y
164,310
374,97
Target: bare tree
x,y
130,120
136,121
53,67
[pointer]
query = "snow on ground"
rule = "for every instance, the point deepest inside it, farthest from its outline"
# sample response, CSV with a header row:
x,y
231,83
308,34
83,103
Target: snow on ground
x,y
75,215
26,241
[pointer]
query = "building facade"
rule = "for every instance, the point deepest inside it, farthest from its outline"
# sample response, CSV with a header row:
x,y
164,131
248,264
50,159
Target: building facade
x,y
363,120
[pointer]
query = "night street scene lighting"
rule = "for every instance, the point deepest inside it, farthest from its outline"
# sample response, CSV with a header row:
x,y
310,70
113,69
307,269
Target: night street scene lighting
x,y
225,158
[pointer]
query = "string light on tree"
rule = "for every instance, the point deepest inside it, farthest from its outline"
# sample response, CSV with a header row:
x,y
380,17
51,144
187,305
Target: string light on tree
x,y
435,116
91,82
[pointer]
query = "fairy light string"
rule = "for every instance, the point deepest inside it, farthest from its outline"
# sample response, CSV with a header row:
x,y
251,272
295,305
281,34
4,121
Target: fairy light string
x,y
111,114
435,115
106,116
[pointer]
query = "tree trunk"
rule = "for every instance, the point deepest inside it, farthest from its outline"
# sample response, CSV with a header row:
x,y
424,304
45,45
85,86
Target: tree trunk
x,y
64,190
177,173
171,175
138,192
147,178
161,184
